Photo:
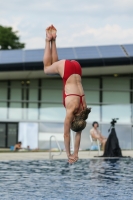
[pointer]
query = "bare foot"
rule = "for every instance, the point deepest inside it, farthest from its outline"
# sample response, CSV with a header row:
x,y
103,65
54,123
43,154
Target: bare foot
x,y
49,33
53,32
72,159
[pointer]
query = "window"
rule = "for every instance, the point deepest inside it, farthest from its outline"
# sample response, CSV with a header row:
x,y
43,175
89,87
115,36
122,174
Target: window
x,y
3,100
15,110
51,97
52,112
118,100
116,97
119,83
91,89
33,100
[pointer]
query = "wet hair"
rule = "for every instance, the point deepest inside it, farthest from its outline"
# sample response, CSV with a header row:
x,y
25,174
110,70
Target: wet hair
x,y
95,123
79,122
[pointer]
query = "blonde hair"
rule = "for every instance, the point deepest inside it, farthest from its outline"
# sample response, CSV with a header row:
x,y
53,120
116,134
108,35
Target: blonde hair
x,y
79,122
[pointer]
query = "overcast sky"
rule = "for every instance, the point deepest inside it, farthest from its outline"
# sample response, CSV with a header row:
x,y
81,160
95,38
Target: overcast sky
x,y
79,22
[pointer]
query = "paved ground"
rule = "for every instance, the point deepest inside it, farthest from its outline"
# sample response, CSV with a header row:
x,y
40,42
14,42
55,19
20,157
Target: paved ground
x,y
45,155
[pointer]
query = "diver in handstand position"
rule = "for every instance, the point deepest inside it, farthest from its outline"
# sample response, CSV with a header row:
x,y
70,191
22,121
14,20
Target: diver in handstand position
x,y
73,93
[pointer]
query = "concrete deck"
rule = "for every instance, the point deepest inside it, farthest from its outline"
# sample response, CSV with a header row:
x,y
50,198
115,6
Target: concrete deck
x,y
45,155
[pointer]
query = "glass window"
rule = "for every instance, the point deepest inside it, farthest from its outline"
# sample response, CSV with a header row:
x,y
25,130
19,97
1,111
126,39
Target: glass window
x,y
51,92
24,97
15,110
94,114
123,109
15,91
132,113
46,130
116,97
52,83
89,83
3,100
123,112
2,135
119,83
132,97
33,94
33,111
51,95
3,110
33,90
92,97
52,112
25,112
12,134
3,91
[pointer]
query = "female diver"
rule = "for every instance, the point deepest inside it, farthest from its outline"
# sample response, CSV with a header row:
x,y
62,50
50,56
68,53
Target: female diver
x,y
73,93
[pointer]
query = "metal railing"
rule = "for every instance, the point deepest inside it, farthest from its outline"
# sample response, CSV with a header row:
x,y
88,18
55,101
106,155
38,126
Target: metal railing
x,y
50,152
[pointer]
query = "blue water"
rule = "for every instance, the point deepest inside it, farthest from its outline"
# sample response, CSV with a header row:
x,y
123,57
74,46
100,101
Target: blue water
x,y
95,179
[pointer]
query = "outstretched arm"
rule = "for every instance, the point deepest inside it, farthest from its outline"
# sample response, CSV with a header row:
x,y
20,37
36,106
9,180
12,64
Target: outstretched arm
x,y
67,124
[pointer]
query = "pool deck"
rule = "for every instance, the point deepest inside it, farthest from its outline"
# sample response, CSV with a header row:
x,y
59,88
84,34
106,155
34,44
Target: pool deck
x,y
6,156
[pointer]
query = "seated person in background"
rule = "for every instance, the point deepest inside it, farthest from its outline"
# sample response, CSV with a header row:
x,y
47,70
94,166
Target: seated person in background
x,y
17,146
96,134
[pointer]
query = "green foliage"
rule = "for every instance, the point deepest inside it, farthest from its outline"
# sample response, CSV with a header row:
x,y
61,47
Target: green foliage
x,y
9,39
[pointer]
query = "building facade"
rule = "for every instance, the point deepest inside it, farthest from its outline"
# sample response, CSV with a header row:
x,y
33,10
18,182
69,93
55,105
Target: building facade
x,y
31,103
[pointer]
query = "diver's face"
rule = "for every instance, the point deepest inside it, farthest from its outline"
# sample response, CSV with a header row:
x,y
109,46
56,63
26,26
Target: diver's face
x,y
95,125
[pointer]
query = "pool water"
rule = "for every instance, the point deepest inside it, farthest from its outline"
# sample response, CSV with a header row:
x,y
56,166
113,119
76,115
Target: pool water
x,y
92,179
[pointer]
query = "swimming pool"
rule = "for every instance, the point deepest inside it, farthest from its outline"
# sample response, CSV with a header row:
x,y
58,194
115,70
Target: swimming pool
x,y
92,179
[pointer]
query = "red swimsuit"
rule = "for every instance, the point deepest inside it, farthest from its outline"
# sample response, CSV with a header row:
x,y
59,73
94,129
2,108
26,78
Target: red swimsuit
x,y
71,67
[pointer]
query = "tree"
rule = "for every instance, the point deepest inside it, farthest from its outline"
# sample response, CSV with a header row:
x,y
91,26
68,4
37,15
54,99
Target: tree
x,y
9,39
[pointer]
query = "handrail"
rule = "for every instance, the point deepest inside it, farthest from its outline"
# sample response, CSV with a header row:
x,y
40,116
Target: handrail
x,y
51,156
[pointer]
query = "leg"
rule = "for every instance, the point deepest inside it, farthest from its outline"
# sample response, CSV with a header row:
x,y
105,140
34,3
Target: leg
x,y
103,143
73,158
48,54
53,45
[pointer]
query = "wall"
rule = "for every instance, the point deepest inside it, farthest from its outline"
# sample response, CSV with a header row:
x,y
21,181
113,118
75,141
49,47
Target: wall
x,y
40,100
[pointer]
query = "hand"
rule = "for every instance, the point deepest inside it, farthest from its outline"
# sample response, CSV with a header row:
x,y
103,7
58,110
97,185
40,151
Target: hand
x,y
72,159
